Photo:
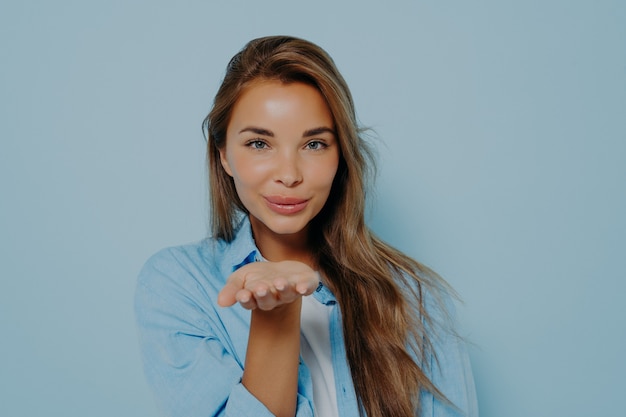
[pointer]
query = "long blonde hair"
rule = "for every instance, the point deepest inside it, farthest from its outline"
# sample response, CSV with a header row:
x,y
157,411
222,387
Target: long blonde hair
x,y
380,290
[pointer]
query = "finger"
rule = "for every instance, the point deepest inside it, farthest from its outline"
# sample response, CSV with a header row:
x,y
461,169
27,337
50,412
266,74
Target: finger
x,y
264,295
308,286
258,289
243,296
280,284
246,299
285,291
267,302
304,288
228,295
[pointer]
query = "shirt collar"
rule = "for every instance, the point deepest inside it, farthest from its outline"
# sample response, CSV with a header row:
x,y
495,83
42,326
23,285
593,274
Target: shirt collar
x,y
324,295
242,250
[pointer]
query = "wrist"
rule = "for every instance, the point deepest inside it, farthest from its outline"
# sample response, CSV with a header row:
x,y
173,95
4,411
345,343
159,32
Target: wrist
x,y
282,317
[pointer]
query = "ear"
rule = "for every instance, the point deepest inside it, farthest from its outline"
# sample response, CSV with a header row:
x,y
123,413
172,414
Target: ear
x,y
224,161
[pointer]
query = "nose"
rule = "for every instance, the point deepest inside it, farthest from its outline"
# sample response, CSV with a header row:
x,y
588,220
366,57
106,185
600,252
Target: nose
x,y
288,170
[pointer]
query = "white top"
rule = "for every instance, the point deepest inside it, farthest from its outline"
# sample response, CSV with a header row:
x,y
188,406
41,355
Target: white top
x,y
316,353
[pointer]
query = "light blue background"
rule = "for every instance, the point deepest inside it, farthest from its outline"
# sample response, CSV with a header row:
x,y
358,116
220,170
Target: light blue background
x,y
502,129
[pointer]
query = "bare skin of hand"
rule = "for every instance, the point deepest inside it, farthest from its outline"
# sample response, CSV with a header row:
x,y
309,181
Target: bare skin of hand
x,y
267,285
273,291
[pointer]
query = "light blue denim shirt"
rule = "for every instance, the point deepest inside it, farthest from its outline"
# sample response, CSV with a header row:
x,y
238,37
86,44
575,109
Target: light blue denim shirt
x,y
194,351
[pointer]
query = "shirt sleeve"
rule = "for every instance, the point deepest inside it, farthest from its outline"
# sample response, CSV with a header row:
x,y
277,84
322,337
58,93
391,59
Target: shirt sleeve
x,y
189,360
451,371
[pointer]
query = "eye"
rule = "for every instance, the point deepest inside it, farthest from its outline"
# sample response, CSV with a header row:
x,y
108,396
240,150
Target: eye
x,y
256,144
316,145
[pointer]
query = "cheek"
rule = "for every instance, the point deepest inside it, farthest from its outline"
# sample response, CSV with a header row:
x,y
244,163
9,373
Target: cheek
x,y
324,174
247,172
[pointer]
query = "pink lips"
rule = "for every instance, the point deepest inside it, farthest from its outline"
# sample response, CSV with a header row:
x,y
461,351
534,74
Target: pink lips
x,y
285,205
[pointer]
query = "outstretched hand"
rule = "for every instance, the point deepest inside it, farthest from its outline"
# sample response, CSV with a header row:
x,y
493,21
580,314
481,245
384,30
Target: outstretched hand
x,y
267,285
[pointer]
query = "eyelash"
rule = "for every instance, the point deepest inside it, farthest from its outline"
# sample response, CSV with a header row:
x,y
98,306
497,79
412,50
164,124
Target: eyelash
x,y
254,142
322,145
259,144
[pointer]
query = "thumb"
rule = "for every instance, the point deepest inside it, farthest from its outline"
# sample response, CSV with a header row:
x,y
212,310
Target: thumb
x,y
227,296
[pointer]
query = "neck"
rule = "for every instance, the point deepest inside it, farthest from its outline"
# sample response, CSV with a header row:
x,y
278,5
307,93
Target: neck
x,y
276,248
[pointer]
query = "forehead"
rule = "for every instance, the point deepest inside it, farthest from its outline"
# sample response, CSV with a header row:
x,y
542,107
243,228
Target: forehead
x,y
270,101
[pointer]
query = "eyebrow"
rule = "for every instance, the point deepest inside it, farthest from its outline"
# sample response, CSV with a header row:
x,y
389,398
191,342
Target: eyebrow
x,y
307,133
318,131
258,131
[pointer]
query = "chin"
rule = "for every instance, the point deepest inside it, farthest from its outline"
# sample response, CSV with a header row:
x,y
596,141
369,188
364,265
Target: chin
x,y
284,226
285,229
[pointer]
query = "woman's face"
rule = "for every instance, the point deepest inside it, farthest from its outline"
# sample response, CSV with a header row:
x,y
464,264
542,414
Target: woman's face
x,y
282,153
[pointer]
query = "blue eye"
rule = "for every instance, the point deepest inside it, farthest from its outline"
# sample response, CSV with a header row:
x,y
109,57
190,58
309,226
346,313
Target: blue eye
x,y
256,144
315,145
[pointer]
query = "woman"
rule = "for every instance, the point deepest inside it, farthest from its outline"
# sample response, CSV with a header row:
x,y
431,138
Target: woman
x,y
294,307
